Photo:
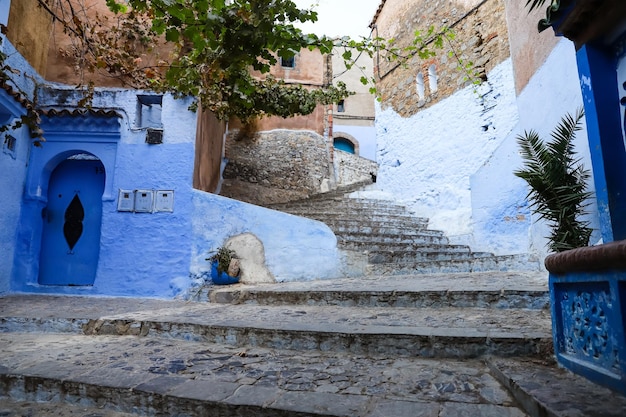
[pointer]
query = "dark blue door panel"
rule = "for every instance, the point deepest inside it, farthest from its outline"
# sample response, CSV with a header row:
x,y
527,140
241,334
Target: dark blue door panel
x,y
70,242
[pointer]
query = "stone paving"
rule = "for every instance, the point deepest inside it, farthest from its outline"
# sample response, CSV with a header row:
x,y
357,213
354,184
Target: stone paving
x,y
338,383
103,357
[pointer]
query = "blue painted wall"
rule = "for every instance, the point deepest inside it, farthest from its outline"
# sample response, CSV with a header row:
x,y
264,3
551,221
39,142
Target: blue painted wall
x,y
296,248
13,164
149,254
598,82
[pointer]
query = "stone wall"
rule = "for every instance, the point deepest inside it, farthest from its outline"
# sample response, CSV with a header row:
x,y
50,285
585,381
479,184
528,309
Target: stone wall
x,y
275,166
351,168
481,37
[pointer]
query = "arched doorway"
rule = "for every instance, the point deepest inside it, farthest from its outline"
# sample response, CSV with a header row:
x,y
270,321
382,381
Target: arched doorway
x,y
70,240
344,144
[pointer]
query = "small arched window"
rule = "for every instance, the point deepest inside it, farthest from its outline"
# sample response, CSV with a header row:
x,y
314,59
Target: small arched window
x,y
432,78
343,144
419,85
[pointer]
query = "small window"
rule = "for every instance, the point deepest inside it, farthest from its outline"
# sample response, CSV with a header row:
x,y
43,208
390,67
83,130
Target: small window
x,y
9,146
149,111
343,144
432,78
341,106
419,85
288,62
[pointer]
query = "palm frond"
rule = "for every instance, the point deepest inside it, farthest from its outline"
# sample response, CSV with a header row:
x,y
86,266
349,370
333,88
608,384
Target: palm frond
x,y
534,4
558,182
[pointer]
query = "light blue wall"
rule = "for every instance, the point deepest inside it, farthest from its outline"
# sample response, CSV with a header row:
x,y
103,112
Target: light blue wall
x,y
296,248
502,220
141,253
366,135
158,254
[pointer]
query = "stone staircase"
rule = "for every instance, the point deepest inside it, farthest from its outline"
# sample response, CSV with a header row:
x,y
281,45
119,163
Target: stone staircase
x,y
473,344
395,240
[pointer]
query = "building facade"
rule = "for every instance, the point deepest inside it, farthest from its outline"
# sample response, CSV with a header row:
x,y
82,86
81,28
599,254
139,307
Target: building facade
x,y
104,203
447,147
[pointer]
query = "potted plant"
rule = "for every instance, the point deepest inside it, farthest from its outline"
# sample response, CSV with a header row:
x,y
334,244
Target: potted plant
x,y
587,283
223,261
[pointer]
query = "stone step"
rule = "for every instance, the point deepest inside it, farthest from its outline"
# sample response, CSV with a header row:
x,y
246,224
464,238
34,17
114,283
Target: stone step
x,y
377,229
169,377
347,205
486,290
444,332
341,220
347,211
424,255
481,264
372,246
113,376
425,237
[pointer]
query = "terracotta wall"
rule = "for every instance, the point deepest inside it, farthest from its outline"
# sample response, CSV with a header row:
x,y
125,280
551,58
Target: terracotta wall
x,y
529,48
29,31
311,70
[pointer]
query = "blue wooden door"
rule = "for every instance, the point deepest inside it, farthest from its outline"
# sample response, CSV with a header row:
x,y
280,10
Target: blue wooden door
x,y
70,242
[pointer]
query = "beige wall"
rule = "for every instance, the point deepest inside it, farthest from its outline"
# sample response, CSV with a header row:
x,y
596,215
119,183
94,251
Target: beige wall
x,y
311,70
359,108
529,48
29,31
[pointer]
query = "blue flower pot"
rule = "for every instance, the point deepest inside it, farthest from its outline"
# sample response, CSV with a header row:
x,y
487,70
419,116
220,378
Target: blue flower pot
x,y
221,278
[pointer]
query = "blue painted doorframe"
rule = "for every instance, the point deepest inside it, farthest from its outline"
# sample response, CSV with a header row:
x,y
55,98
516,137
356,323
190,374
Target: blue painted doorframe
x,y
69,137
70,243
597,69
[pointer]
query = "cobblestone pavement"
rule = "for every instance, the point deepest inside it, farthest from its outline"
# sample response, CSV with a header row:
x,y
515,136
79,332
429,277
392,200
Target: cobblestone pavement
x,y
52,364
12,408
362,384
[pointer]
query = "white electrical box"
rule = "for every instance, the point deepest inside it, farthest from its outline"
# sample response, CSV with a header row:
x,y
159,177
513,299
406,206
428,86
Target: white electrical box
x,y
126,200
164,200
143,201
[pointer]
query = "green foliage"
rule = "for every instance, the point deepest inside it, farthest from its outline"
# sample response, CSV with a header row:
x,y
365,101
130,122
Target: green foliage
x,y
220,51
223,256
557,183
535,4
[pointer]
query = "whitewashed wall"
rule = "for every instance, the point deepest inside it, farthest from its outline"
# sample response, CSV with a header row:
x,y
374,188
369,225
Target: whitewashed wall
x,y
426,160
496,193
454,162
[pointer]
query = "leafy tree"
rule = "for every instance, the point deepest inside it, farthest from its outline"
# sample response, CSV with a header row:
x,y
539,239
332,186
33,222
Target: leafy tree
x,y
219,51
558,183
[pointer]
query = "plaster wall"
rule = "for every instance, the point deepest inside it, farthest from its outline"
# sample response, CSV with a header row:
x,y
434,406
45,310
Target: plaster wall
x,y
357,117
158,254
140,253
296,248
361,104
12,176
29,29
310,70
13,164
502,219
426,160
529,48
365,135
